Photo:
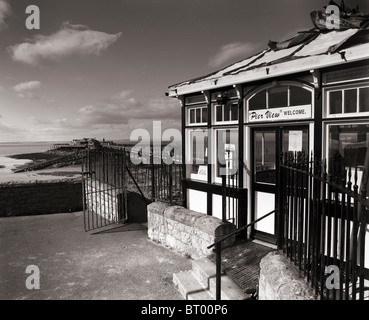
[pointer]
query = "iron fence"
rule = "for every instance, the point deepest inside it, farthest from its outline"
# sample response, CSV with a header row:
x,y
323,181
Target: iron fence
x,y
324,214
109,174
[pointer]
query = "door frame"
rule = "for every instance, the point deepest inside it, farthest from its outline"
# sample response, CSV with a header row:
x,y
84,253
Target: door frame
x,y
278,129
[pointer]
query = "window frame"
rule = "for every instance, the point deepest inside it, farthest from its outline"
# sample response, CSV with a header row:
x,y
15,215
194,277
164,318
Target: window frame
x,y
215,177
188,115
342,88
189,155
231,103
327,125
288,84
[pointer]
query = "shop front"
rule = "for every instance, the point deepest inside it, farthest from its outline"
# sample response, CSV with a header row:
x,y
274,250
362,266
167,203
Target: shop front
x,y
310,97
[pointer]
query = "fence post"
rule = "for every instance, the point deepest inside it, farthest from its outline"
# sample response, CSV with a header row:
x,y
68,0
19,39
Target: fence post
x,y
152,175
171,184
224,198
280,205
218,253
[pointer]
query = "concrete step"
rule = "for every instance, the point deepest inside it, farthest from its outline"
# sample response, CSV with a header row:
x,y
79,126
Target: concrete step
x,y
189,286
204,270
229,290
201,282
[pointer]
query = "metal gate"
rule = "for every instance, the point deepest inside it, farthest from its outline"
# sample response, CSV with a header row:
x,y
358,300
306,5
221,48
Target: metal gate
x,y
104,189
109,176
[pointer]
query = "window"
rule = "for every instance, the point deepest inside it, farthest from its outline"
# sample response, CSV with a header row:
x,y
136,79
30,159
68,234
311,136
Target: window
x,y
280,96
197,154
226,152
335,102
258,101
197,115
364,99
348,148
226,112
299,96
348,101
265,157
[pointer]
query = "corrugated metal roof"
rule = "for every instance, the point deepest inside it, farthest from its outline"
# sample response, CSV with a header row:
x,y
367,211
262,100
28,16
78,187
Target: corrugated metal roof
x,y
322,49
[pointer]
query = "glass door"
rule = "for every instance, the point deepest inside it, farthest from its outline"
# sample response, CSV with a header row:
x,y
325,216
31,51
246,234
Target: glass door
x,y
265,146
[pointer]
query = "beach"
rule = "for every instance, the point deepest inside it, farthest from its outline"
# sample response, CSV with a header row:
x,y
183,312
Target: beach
x,y
11,162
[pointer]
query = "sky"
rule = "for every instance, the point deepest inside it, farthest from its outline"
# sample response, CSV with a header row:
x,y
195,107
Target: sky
x,y
100,69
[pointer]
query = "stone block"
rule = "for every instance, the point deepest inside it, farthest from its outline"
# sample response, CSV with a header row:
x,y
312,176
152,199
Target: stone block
x,y
280,280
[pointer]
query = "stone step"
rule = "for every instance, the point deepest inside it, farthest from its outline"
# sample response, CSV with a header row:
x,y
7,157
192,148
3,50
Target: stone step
x,y
229,290
204,270
202,278
189,286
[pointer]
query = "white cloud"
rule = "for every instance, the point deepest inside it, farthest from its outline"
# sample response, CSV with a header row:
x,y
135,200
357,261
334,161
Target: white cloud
x,y
26,89
4,12
232,52
26,86
69,40
116,118
122,107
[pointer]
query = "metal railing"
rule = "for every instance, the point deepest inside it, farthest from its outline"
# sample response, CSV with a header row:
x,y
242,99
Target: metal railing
x,y
218,251
325,224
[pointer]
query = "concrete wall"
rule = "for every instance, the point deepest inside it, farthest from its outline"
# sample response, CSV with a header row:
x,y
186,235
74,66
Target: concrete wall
x,y
41,197
280,280
185,231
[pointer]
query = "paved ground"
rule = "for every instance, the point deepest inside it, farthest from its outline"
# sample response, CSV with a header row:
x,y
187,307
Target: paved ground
x,y
117,262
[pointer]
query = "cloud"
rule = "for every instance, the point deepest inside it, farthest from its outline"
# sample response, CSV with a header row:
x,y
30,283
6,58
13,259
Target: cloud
x,y
25,89
122,107
28,85
4,12
114,118
232,52
69,40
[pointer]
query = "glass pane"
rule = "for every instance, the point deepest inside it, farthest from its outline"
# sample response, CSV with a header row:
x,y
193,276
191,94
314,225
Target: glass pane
x,y
198,115
348,148
199,152
299,96
219,115
350,101
204,115
195,99
192,115
227,112
227,148
258,101
234,112
265,157
296,140
335,102
278,97
364,99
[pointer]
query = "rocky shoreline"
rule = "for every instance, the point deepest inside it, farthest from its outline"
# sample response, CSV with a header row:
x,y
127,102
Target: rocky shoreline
x,y
58,171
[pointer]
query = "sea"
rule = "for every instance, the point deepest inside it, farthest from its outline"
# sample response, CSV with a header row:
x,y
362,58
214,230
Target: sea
x,y
11,148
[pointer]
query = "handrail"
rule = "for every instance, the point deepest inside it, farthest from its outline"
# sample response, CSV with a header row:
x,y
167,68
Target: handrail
x,y
241,229
218,251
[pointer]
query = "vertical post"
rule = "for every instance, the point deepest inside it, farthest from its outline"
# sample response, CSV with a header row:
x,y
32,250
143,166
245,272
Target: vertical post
x,y
124,183
152,175
355,228
171,184
218,253
280,205
224,198
362,218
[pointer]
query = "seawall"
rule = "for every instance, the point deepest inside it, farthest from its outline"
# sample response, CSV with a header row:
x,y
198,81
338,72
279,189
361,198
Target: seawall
x,y
40,197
